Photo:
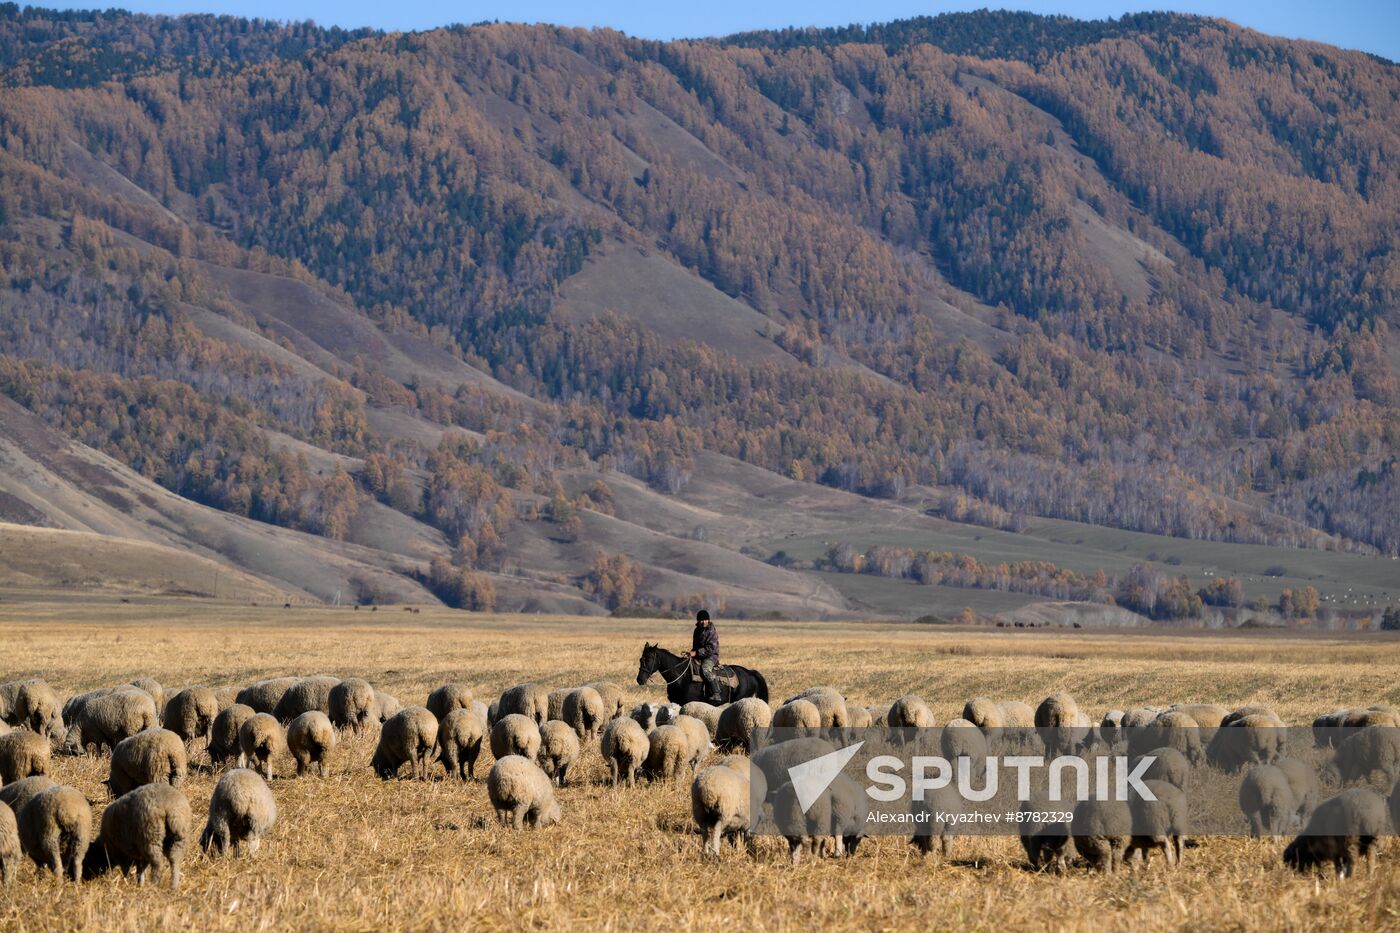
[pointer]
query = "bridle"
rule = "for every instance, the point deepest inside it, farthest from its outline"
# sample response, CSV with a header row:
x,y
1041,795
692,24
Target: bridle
x,y
685,670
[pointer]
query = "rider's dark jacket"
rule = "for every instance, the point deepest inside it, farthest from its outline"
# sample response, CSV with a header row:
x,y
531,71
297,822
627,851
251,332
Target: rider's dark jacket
x,y
705,642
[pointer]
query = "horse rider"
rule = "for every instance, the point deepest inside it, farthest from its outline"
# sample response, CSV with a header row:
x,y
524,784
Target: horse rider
x,y
704,647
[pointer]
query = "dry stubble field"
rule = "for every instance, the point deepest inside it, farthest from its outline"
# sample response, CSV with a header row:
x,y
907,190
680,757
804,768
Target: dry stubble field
x,y
352,852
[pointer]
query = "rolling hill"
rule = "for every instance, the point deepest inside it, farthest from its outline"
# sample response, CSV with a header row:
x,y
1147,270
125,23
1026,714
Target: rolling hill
x,y
1076,320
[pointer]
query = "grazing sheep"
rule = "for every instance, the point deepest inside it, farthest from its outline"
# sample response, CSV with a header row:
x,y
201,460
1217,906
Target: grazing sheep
x,y
931,834
410,736
583,710
798,714
311,739
223,734
1266,800
910,712
1362,718
849,809
1159,824
775,760
529,700
74,704
719,804
1168,765
261,738
156,756
1251,739
23,754
1111,726
483,711
614,699
667,713
386,706
858,716
54,830
1171,729
556,703
758,784
241,811
9,844
1102,830
879,715
644,715
1394,802
697,736
352,705
106,717
190,713
146,830
225,697
515,734
1046,841
739,719
803,830
1307,788
310,693
1325,727
829,703
668,753
264,695
16,795
1367,751
559,749
521,793
33,705
1342,830
961,739
1245,712
448,697
1063,727
704,712
625,747
152,687
1140,717
1206,716
493,712
459,742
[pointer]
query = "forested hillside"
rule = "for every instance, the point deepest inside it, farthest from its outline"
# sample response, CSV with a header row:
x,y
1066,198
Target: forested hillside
x,y
522,295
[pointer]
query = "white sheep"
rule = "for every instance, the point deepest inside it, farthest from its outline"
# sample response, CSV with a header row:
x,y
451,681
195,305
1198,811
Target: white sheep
x,y
668,753
352,705
156,756
9,844
311,739
460,736
1306,786
190,713
16,795
386,705
529,700
799,714
106,717
697,736
613,696
1102,830
961,740
719,804
1370,750
33,705
223,734
556,703
584,711
521,793
644,715
448,697
261,739
23,754
55,828
775,760
705,712
758,784
1249,739
1062,726
849,809
515,734
1168,765
144,830
559,748
910,712
859,717
307,694
625,747
1159,824
241,811
264,695
410,736
666,713
933,831
739,719
1266,800
803,829
829,703
1171,729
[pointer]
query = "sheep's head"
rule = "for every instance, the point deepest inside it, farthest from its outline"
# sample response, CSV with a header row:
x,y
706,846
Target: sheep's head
x,y
1299,854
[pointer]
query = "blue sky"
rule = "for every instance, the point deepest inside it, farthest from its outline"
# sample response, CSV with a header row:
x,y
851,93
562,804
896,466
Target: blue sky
x,y
1370,25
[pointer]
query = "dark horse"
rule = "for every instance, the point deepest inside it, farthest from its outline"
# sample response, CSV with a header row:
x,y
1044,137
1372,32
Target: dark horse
x,y
680,688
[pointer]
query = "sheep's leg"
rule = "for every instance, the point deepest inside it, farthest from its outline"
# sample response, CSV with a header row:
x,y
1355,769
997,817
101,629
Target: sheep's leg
x,y
712,843
795,849
518,816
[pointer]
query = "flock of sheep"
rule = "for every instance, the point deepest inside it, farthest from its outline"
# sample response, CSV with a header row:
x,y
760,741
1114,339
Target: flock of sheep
x,y
537,736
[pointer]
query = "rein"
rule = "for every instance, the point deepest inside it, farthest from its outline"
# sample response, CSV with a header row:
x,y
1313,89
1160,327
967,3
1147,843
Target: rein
x,y
685,670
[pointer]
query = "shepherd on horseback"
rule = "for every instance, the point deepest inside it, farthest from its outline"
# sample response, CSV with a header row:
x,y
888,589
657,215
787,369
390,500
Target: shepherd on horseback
x,y
704,648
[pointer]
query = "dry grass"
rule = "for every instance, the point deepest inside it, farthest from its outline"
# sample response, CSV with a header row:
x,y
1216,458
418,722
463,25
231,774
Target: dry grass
x,y
351,852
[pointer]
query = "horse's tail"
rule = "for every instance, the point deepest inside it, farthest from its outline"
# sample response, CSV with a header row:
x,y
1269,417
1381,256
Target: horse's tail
x,y
761,691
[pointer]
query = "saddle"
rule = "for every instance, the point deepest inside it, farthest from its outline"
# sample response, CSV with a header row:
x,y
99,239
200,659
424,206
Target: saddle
x,y
724,675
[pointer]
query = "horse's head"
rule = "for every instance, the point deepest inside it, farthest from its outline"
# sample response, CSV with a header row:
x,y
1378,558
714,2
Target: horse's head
x,y
647,665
